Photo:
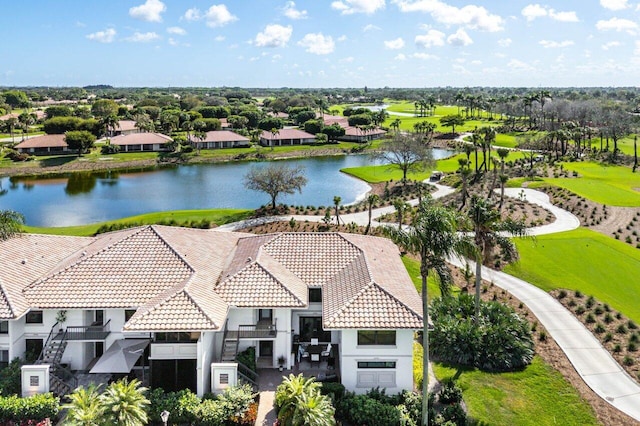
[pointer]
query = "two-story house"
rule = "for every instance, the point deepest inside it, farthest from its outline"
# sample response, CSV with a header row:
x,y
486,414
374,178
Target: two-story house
x,y
182,299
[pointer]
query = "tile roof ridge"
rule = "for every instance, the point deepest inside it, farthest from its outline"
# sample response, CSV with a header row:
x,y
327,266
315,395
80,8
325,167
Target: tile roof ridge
x,y
287,289
8,299
155,229
384,290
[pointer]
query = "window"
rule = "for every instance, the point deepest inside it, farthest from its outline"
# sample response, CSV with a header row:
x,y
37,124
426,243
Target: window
x,y
315,295
34,317
376,364
33,348
4,358
128,313
312,327
376,337
180,337
4,327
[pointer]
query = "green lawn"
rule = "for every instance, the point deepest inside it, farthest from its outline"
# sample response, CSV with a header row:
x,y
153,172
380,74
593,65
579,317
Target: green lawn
x,y
218,216
605,184
536,396
413,269
583,260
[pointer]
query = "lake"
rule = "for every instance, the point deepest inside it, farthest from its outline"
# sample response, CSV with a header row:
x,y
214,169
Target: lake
x,y
82,198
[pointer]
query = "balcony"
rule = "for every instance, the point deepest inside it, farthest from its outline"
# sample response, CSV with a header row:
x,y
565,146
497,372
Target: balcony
x,y
87,333
261,330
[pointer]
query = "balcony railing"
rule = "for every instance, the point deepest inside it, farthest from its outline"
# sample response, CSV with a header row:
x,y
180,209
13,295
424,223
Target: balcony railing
x,y
261,330
88,332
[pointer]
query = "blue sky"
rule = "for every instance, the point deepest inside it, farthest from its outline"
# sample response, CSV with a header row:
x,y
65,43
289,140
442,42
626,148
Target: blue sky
x,y
318,43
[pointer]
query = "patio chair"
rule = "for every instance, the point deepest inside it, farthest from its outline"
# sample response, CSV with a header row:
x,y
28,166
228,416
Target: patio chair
x,y
302,352
315,358
327,352
314,341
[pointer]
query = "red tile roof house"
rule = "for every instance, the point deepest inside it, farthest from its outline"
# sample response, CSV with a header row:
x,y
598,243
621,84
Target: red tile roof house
x,y
352,133
125,127
220,139
286,137
45,144
136,142
191,299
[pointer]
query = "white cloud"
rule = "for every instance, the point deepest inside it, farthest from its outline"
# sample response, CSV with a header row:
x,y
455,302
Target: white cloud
x,y
342,38
611,44
533,11
274,35
172,42
370,27
220,38
149,11
430,39
218,15
619,25
505,42
347,7
176,31
348,59
143,37
400,57
317,43
548,44
423,56
394,44
192,14
517,65
106,36
459,38
471,16
637,49
291,12
614,4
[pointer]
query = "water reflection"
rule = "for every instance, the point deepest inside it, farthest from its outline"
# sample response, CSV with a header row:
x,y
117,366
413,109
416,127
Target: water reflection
x,y
85,197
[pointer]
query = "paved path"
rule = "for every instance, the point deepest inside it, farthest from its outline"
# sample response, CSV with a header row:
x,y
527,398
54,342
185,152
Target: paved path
x,y
592,361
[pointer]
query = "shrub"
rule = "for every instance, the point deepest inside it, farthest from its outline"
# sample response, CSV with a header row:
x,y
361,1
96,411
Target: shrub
x,y
590,302
598,310
632,347
450,393
182,405
362,409
578,294
599,328
109,149
608,318
562,294
590,319
628,360
454,414
334,390
580,310
248,358
617,348
621,329
501,341
11,378
32,409
632,325
608,337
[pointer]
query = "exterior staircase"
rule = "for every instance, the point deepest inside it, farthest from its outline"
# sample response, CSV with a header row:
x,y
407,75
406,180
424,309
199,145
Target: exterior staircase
x,y
229,349
61,380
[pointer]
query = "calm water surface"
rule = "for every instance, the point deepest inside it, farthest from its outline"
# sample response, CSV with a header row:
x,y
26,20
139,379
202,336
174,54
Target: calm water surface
x,y
83,198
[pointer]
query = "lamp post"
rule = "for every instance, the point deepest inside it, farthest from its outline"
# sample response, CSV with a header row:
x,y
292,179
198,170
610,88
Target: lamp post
x,y
165,417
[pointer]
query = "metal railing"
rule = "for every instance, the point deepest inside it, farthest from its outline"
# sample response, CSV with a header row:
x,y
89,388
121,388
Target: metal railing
x,y
88,332
248,375
46,343
250,331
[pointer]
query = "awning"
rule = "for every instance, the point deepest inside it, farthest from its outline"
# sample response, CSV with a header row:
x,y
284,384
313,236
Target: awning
x,y
121,356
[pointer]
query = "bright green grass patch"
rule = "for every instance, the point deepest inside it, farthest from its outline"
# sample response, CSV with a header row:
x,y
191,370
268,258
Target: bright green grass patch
x,y
605,184
384,173
218,216
536,396
505,140
433,289
583,260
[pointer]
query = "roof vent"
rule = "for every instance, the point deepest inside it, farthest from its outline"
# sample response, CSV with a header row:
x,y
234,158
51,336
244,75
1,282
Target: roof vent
x,y
249,259
24,261
83,254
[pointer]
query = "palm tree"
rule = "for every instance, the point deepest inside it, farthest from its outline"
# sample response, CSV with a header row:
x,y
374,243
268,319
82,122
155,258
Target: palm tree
x,y
298,401
395,124
336,204
11,123
503,153
109,122
371,200
26,120
85,407
433,236
313,410
464,171
274,132
491,232
125,403
10,224
401,208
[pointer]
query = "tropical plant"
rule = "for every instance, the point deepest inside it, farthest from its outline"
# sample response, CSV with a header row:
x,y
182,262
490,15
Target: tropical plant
x,y
125,403
491,232
433,236
336,205
371,200
10,224
85,407
299,401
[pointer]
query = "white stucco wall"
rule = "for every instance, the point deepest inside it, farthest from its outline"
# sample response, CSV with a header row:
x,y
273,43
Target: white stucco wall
x,y
206,355
401,354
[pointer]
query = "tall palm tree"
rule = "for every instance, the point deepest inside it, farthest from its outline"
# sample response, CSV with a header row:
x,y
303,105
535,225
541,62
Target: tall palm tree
x,y
401,208
85,407
336,204
371,200
395,124
109,122
491,232
125,403
10,224
464,171
274,132
11,124
433,236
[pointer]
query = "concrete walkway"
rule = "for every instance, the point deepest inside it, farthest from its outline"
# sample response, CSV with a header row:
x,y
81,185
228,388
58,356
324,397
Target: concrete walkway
x,y
592,361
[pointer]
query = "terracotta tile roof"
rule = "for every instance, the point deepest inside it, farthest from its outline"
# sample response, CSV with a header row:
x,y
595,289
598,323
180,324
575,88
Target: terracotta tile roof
x,y
354,131
287,134
140,139
126,126
25,259
222,136
126,273
44,141
314,257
